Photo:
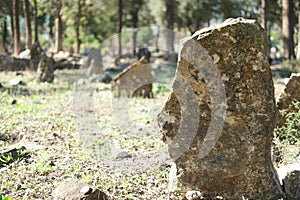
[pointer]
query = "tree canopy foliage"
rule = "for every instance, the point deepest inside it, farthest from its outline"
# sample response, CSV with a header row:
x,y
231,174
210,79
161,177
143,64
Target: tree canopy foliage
x,y
87,23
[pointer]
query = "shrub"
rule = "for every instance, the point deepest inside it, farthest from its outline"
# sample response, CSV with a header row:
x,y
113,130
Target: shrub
x,y
289,133
4,198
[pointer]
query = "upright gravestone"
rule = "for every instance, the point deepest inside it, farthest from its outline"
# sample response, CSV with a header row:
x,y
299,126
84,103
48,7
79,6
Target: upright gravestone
x,y
218,121
134,81
94,63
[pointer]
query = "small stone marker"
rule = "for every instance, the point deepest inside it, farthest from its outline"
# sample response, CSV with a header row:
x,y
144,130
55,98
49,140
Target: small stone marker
x,y
94,62
291,92
134,81
45,70
73,189
219,119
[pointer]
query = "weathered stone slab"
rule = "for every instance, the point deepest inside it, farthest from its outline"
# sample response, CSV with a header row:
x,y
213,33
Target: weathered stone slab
x,y
219,119
134,81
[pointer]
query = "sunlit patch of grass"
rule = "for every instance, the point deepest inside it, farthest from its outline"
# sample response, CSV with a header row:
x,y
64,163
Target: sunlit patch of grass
x,y
45,120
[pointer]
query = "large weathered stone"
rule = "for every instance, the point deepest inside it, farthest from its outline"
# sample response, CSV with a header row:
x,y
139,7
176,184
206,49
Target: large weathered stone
x,y
73,189
136,80
219,119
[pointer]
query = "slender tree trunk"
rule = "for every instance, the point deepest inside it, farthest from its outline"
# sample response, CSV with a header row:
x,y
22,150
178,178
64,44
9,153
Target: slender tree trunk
x,y
36,28
135,19
12,24
134,42
264,22
28,24
77,27
4,33
288,29
58,26
51,25
157,39
170,5
17,39
120,13
298,50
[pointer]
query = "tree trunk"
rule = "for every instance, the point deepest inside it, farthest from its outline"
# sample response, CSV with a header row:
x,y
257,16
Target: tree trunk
x,y
58,26
17,39
134,36
28,24
36,30
77,27
135,19
51,25
120,13
288,29
170,6
12,23
4,33
298,52
157,39
264,23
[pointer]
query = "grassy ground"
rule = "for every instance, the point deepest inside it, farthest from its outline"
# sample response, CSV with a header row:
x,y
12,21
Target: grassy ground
x,y
71,131
64,142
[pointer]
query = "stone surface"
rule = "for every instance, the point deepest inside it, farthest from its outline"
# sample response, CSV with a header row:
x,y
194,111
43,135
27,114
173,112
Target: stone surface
x,y
193,195
73,189
25,54
45,71
93,62
119,153
104,78
95,67
291,185
219,119
16,81
61,55
134,81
